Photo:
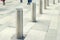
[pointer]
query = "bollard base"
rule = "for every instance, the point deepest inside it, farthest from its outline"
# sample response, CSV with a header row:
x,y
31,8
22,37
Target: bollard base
x,y
41,13
34,21
15,38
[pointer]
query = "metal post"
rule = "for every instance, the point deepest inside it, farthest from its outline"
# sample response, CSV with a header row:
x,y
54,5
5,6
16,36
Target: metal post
x,y
40,6
19,23
45,4
58,1
53,1
34,12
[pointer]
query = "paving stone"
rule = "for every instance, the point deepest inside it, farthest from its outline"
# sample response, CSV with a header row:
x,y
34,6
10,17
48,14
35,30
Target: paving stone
x,y
41,25
33,35
54,22
51,34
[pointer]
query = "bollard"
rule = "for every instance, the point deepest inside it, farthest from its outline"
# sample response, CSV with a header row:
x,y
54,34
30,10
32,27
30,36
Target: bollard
x,y
19,23
40,6
58,1
45,4
34,12
53,1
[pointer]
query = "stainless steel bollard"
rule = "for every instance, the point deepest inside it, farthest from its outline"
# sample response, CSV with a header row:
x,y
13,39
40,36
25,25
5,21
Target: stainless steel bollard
x,y
19,23
40,7
53,1
58,1
45,2
34,12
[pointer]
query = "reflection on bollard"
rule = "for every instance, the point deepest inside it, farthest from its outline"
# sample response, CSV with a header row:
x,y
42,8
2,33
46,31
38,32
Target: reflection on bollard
x,y
19,23
40,7
53,1
34,12
45,2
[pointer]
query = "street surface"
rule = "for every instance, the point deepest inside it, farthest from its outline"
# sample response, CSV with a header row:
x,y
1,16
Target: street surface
x,y
47,26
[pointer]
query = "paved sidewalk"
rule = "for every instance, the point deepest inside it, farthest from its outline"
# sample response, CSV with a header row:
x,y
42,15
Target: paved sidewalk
x,y
46,28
